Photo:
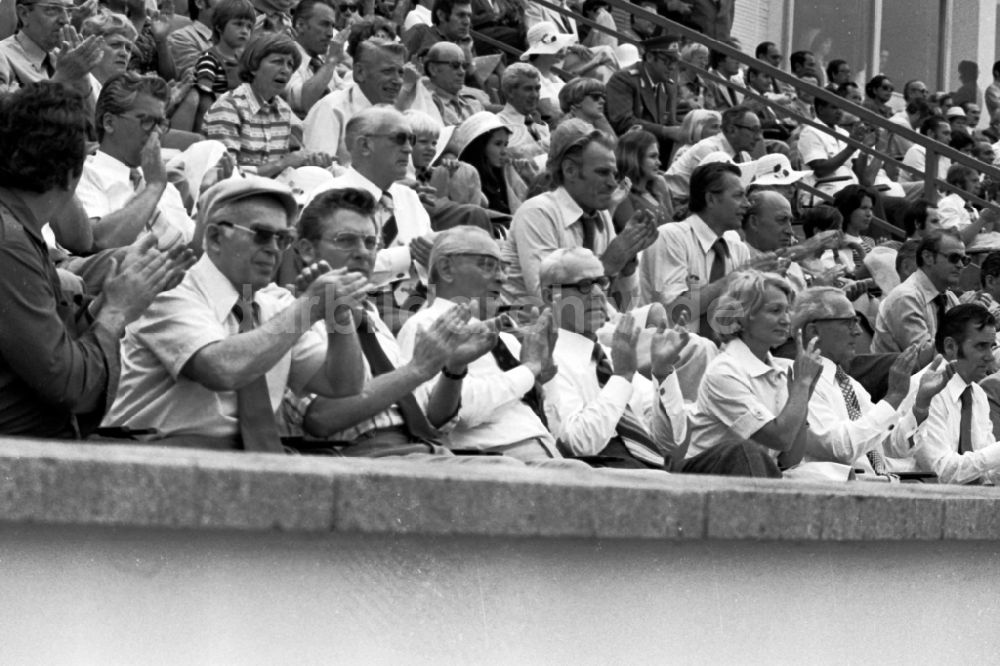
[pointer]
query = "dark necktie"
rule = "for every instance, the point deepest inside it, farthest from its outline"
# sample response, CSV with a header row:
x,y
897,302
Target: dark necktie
x,y
47,65
854,413
940,307
630,429
721,251
389,228
529,122
254,412
965,424
506,361
591,223
413,416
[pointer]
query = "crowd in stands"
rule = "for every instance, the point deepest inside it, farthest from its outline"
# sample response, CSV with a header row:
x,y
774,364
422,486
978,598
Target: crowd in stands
x,y
484,232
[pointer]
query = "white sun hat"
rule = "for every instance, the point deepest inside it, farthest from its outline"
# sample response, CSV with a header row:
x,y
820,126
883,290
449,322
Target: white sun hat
x,y
775,169
545,39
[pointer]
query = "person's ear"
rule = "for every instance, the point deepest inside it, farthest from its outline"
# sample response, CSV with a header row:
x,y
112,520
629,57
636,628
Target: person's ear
x,y
951,348
570,169
107,123
306,250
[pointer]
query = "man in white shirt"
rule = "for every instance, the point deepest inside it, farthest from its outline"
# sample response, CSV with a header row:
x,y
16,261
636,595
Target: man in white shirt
x,y
208,363
956,441
419,15
831,160
912,312
378,79
741,130
521,84
955,211
575,214
938,129
598,404
692,258
317,75
502,410
767,227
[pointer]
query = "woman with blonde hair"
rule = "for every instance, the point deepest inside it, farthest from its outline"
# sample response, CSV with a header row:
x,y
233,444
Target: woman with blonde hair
x,y
118,38
698,124
750,414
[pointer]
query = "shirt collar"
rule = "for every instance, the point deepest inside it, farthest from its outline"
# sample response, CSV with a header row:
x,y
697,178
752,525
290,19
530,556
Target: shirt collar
x,y
924,284
955,387
35,53
512,113
358,179
753,365
218,290
706,237
574,346
108,164
437,91
357,96
203,30
567,206
23,213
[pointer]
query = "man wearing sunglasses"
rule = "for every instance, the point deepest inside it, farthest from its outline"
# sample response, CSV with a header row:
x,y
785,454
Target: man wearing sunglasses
x,y
639,95
912,312
30,55
446,66
599,406
208,363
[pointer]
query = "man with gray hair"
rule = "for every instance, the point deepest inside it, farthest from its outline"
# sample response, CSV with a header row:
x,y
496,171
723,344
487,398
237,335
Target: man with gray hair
x,y
521,85
378,79
844,425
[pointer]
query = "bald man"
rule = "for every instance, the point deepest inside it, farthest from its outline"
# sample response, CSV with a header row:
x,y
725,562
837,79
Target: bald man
x,y
446,65
767,227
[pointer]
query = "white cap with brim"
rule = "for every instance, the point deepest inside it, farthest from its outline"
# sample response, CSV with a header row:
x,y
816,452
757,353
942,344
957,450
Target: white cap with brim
x,y
238,187
545,39
955,112
472,128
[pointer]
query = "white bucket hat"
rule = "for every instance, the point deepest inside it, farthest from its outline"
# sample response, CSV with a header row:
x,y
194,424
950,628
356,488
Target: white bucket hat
x,y
473,127
746,169
545,39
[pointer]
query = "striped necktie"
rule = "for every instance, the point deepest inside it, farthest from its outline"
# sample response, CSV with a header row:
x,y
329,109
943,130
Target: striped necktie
x,y
854,413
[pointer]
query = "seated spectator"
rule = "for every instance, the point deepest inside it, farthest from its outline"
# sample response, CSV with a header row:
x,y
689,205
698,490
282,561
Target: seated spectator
x,y
955,441
29,55
118,39
393,415
741,130
838,73
638,157
691,88
585,98
957,213
501,408
188,43
804,102
803,64
767,227
420,14
547,49
599,12
482,142
150,52
378,79
535,14
521,86
575,214
446,67
921,217
992,131
693,258
633,101
452,21
958,120
502,20
454,180
831,159
750,416
962,142
972,115
911,313
253,121
719,96
774,125
984,152
59,359
915,113
124,189
317,75
598,404
698,124
641,28
855,204
938,129
878,92
845,425
207,365
274,16
989,280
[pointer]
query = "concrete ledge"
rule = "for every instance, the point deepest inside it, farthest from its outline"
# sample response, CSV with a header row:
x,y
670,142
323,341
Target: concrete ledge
x,y
151,487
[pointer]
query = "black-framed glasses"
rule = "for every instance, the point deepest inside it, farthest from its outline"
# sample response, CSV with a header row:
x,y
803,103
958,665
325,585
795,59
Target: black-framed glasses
x,y
586,285
347,241
264,235
853,322
147,123
956,258
399,138
455,64
750,128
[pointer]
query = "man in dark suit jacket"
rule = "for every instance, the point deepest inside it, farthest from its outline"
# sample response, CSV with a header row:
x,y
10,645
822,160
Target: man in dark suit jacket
x,y
641,94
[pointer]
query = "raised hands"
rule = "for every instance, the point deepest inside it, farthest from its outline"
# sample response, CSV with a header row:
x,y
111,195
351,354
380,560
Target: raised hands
x,y
536,347
77,56
143,273
666,346
932,382
420,249
336,291
624,356
640,232
807,366
900,374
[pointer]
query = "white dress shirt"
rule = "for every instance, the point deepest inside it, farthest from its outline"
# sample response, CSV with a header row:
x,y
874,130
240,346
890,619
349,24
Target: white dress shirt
x,y
323,127
954,214
293,91
492,414
936,440
681,259
152,393
584,417
393,263
916,157
541,225
678,175
419,15
105,187
521,145
816,145
739,395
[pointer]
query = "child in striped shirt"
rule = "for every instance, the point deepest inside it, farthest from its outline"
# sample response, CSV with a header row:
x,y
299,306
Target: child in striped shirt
x,y
232,23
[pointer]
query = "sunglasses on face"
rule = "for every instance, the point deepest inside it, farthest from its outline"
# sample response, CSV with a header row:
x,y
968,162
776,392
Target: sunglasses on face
x,y
264,235
586,285
596,96
455,64
347,8
957,258
400,138
347,241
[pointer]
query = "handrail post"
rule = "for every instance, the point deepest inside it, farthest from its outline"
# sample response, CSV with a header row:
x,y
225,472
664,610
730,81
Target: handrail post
x,y
930,174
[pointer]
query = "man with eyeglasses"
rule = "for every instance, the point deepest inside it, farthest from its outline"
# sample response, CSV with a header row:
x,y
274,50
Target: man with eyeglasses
x,y
396,414
445,66
845,425
30,55
912,312
599,406
208,364
741,132
639,94
124,191
378,79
